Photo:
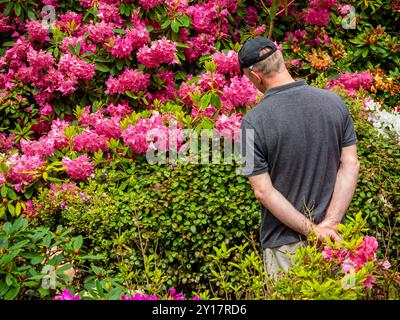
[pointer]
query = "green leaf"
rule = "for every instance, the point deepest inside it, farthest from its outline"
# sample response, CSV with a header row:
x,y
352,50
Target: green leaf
x,y
166,23
78,48
11,208
205,101
101,67
31,15
11,194
7,10
71,49
17,9
4,191
12,293
175,26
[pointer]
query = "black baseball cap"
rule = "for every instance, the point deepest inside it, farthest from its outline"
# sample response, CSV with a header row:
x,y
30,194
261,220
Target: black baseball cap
x,y
249,54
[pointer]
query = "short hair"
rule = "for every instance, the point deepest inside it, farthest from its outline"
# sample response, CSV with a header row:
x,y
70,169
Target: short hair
x,y
272,65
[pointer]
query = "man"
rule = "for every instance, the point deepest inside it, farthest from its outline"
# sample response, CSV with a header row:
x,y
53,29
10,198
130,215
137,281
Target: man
x,y
299,148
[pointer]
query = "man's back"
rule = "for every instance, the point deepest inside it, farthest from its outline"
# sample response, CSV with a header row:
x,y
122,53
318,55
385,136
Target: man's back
x,y
299,133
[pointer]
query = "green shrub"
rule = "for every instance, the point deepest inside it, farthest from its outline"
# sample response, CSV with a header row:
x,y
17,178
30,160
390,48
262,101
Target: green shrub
x,y
35,261
312,276
177,214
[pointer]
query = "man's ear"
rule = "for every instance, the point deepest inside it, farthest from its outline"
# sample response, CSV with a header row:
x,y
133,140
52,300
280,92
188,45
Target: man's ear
x,y
256,75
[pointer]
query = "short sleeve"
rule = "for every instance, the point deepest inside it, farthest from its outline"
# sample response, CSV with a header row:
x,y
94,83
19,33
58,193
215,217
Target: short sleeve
x,y
254,160
349,134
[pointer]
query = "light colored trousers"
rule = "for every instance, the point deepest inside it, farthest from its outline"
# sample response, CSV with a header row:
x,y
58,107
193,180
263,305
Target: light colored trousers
x,y
279,258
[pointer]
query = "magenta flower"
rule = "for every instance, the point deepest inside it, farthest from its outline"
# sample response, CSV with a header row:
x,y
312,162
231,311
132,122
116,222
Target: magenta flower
x,y
67,295
132,80
37,31
80,168
160,52
227,63
229,126
89,140
2,178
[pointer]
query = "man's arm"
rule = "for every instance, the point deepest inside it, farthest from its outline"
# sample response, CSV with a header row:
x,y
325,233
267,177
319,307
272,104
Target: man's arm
x,y
283,210
345,185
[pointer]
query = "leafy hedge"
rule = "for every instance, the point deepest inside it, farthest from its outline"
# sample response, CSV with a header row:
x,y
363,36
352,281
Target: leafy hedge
x,y
177,214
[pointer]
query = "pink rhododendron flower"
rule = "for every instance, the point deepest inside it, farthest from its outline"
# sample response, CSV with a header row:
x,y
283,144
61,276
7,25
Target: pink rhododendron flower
x,y
2,178
43,147
149,4
208,112
296,36
7,141
385,264
353,82
109,12
87,3
119,111
89,140
152,133
229,126
161,51
37,31
109,128
227,63
132,80
185,90
100,32
200,45
208,81
260,29
368,282
80,168
20,166
240,92
76,68
88,118
31,209
70,21
67,295
167,92
251,16
73,41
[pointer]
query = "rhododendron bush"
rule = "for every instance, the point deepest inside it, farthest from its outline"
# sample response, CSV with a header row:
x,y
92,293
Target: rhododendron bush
x,y
89,88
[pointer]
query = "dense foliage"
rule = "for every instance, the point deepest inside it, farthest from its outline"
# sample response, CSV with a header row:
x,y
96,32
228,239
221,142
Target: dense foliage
x,y
87,87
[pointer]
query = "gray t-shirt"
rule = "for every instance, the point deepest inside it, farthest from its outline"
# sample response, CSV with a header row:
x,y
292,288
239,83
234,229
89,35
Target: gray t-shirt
x,y
298,135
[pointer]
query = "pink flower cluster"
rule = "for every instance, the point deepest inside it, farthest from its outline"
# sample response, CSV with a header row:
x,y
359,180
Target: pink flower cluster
x,y
46,144
152,133
80,168
149,4
173,295
23,169
319,12
166,85
229,126
89,141
160,52
135,38
132,80
37,31
352,82
67,295
227,63
200,45
240,92
350,260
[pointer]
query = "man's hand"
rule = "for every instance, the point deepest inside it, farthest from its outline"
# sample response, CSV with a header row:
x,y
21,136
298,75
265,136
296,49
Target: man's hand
x,y
324,232
329,224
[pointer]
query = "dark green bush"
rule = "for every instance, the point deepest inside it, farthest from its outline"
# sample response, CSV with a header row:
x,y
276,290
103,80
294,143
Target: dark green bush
x,y
378,190
178,213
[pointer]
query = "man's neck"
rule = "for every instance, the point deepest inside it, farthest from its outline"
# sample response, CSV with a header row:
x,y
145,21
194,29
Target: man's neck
x,y
279,80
